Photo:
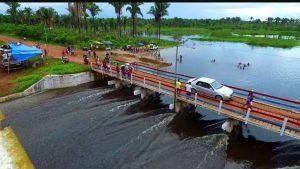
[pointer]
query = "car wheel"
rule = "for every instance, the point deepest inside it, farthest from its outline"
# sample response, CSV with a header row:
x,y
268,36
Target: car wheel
x,y
219,97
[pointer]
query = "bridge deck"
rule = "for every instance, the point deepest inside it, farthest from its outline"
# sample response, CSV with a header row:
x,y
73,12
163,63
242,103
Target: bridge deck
x,y
262,114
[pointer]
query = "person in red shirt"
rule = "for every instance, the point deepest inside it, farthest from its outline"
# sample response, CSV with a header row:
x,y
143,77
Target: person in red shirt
x,y
63,53
118,69
129,71
104,64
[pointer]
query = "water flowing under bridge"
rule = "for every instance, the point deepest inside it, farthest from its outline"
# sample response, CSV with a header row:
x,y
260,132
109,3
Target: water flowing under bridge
x,y
273,113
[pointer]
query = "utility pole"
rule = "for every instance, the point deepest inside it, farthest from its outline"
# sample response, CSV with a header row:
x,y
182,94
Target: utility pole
x,y
175,91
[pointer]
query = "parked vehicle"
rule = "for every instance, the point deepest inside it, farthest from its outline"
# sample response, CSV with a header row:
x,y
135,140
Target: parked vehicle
x,y
12,63
211,87
152,46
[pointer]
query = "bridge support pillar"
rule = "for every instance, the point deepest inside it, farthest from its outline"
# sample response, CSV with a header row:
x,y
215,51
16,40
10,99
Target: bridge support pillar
x,y
180,106
145,93
229,125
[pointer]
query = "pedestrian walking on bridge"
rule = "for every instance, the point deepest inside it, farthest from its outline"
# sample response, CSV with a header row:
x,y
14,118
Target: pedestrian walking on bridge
x,y
178,86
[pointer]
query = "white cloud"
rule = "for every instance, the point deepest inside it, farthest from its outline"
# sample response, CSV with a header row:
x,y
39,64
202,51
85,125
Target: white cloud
x,y
262,13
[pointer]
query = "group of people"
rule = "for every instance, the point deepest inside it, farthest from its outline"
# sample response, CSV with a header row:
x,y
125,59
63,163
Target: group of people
x,y
106,62
243,65
157,55
126,70
188,87
64,56
137,50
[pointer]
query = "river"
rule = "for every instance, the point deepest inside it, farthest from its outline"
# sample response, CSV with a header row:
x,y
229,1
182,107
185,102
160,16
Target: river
x,y
276,68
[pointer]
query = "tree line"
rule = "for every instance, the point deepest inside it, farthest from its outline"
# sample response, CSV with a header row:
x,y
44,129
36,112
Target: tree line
x,y
82,17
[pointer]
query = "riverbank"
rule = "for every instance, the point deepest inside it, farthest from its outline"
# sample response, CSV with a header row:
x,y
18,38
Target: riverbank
x,y
19,80
236,35
254,41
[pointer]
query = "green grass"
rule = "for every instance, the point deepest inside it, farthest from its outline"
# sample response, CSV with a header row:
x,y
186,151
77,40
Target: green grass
x,y
255,41
52,66
219,34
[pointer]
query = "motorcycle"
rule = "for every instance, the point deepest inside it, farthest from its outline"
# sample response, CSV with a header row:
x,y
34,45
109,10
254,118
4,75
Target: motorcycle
x,y
86,60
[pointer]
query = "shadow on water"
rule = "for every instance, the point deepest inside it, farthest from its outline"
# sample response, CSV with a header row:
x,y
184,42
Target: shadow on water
x,y
150,106
121,94
286,154
189,125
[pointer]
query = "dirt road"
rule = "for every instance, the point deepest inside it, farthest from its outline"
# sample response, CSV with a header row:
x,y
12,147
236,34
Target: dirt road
x,y
55,51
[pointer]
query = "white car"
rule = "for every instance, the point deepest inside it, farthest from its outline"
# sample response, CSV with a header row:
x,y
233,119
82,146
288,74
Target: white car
x,y
211,88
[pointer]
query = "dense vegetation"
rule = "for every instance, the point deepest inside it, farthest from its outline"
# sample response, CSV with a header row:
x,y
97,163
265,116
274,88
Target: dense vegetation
x,y
54,66
78,28
65,36
80,25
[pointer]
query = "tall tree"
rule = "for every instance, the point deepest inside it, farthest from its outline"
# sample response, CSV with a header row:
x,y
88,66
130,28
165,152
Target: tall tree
x,y
277,20
76,10
118,9
159,10
13,10
28,14
94,10
251,18
46,15
135,10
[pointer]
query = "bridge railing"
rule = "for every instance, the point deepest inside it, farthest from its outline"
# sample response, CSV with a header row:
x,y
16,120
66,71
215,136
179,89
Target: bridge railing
x,y
275,118
279,101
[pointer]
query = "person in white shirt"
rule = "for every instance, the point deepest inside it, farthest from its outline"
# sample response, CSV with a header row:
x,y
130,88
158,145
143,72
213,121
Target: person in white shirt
x,y
188,88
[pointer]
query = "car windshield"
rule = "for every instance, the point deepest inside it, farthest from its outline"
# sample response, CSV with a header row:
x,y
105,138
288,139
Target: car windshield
x,y
216,85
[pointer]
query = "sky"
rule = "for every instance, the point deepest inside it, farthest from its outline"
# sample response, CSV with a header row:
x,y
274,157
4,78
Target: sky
x,y
193,10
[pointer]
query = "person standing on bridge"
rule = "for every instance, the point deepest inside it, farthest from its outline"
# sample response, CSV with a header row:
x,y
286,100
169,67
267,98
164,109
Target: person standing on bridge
x,y
249,99
118,69
188,88
178,86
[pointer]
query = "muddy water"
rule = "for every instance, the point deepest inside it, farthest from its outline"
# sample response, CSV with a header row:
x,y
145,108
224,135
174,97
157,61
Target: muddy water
x,y
95,126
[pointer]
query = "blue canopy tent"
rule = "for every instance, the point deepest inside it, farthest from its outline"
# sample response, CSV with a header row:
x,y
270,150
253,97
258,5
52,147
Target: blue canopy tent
x,y
22,52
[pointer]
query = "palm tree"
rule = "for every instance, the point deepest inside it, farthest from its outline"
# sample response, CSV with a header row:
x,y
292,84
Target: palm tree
x,y
270,19
46,15
94,10
13,10
124,19
159,10
277,20
118,9
251,18
135,10
76,10
28,15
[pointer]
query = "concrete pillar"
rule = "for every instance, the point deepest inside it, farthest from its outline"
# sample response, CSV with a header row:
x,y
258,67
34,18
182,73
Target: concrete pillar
x,y
137,91
145,93
229,125
181,106
118,84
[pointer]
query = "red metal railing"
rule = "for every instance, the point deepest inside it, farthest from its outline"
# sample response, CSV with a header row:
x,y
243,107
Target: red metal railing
x,y
236,88
278,117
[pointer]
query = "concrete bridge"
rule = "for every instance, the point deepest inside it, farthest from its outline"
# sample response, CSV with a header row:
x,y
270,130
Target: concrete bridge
x,y
273,113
